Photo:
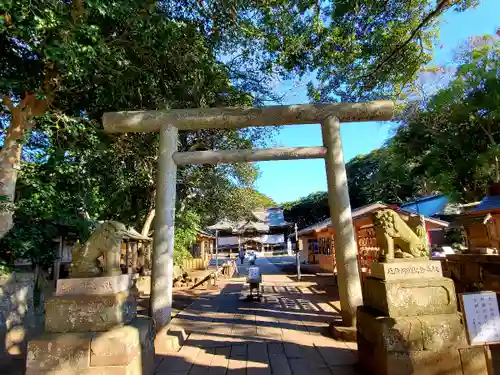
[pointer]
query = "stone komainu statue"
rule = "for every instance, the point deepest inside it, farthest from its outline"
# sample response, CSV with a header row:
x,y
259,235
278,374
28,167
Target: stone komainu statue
x,y
397,239
105,241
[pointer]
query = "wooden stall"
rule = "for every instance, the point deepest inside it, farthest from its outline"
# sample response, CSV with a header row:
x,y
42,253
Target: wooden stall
x,y
482,226
204,245
318,241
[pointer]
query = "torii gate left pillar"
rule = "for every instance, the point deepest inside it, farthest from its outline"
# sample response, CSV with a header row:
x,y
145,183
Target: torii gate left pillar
x,y
168,123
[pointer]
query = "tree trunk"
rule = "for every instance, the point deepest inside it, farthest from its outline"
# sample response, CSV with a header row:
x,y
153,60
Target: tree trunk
x,y
147,224
145,246
10,154
497,170
492,140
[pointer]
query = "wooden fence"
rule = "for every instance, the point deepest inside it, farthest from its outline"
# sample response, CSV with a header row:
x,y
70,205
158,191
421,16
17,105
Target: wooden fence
x,y
196,264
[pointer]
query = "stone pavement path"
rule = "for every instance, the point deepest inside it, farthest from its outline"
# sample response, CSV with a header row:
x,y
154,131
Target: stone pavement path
x,y
285,333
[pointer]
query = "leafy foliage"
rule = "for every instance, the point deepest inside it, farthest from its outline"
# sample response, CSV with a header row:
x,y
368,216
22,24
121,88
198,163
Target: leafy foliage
x,y
381,176
103,56
308,210
185,235
452,140
446,144
357,49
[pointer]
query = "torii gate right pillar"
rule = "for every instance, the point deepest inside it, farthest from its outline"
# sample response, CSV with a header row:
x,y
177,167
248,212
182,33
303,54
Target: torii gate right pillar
x,y
346,253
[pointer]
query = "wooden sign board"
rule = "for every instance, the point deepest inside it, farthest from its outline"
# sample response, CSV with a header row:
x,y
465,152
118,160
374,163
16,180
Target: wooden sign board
x,y
482,317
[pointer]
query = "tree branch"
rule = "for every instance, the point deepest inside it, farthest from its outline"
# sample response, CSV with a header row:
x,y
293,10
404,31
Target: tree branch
x,y
8,103
442,5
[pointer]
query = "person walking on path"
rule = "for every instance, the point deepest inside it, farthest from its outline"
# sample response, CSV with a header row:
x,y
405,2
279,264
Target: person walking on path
x,y
242,255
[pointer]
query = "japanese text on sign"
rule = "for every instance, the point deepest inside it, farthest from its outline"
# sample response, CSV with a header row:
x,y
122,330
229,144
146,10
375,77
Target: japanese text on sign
x,y
482,317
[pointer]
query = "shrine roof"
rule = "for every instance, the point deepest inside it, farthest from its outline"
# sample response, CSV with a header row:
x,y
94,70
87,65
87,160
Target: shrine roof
x,y
261,221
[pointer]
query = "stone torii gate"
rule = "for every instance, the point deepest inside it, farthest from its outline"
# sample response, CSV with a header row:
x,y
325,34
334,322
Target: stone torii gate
x,y
169,122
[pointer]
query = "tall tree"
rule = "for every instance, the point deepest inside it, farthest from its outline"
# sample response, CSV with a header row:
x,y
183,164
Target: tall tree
x,y
380,176
452,139
66,63
308,210
45,47
135,57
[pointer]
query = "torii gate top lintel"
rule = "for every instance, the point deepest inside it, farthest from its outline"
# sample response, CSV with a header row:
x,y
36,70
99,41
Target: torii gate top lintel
x,y
208,118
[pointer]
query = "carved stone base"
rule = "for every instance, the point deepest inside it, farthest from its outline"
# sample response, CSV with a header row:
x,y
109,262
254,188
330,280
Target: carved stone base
x,y
127,350
426,345
376,361
406,269
86,313
413,333
95,285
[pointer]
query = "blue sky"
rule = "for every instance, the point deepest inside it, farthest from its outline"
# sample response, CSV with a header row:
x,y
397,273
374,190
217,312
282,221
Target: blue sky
x,y
289,180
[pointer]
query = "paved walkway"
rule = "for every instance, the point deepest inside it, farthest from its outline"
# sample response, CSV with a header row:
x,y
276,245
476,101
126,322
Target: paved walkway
x,y
285,333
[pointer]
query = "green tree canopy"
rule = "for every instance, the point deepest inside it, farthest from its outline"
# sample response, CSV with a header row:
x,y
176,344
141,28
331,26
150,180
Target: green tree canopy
x,y
308,210
356,49
451,140
135,57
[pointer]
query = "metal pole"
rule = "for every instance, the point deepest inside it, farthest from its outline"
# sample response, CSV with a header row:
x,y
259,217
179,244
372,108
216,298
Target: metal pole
x,y
128,256
57,262
239,248
135,255
349,283
163,245
297,254
216,249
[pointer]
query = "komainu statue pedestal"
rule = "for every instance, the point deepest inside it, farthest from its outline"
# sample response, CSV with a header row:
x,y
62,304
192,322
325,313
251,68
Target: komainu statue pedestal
x,y
92,328
410,324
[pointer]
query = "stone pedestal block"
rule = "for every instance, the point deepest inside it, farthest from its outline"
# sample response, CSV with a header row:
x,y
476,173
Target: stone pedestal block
x,y
412,297
127,350
410,269
418,345
89,313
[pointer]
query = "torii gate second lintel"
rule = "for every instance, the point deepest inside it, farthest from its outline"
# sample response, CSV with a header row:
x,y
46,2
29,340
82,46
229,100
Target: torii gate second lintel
x,y
168,122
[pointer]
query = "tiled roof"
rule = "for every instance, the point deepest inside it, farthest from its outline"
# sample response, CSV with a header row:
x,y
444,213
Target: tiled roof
x,y
271,216
264,220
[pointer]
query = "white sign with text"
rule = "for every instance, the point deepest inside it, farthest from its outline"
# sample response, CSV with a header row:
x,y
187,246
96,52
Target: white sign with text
x,y
482,317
